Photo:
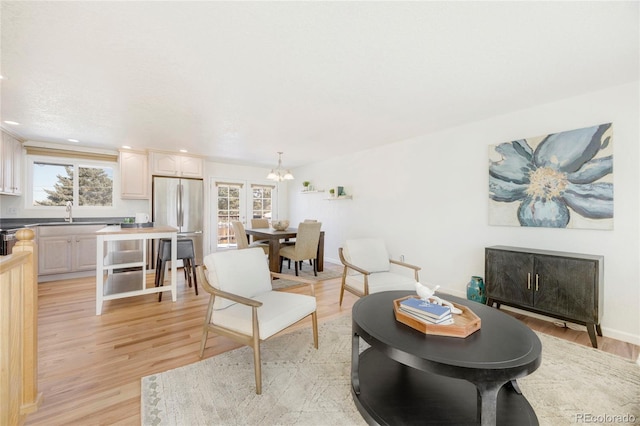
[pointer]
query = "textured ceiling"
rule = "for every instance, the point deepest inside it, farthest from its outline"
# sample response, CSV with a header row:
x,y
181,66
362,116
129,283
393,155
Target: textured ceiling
x,y
238,81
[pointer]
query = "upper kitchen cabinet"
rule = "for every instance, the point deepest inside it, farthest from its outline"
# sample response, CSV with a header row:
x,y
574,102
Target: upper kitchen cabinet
x,y
134,174
179,165
10,165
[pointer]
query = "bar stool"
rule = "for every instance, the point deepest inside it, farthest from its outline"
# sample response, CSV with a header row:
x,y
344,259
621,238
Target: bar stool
x,y
186,253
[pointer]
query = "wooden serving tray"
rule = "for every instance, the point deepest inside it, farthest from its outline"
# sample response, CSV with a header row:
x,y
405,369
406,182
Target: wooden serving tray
x,y
464,324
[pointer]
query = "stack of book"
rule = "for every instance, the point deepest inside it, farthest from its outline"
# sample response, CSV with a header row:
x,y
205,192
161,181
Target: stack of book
x,y
428,313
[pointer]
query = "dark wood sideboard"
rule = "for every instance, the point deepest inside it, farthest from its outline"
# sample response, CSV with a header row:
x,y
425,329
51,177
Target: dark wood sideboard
x,y
567,286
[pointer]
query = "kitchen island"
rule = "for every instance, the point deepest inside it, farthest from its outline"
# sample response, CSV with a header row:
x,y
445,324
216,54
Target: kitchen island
x,y
123,273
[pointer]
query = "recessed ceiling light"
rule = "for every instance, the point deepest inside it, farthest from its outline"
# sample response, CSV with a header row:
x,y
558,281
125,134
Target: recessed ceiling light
x,y
2,77
73,140
183,150
12,122
126,146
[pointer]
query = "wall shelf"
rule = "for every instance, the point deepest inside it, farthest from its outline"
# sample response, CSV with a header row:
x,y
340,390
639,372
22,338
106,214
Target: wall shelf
x,y
341,197
312,192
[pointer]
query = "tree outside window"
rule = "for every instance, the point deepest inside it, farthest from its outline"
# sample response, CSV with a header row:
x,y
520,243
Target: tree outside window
x,y
54,184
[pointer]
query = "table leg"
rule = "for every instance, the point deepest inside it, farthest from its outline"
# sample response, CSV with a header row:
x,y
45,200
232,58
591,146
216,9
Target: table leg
x,y
99,274
274,255
320,254
355,359
488,402
174,267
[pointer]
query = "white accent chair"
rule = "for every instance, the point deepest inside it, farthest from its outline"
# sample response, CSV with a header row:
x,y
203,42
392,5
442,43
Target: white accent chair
x,y
369,269
244,307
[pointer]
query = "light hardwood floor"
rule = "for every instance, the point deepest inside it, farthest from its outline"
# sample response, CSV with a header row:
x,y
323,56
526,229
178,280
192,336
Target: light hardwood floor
x,y
90,366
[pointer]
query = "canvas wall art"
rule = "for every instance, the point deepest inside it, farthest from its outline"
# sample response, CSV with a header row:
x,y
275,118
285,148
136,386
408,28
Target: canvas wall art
x,y
560,180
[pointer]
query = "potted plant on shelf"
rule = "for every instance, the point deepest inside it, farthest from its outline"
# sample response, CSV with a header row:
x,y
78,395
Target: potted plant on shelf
x,y
306,184
332,192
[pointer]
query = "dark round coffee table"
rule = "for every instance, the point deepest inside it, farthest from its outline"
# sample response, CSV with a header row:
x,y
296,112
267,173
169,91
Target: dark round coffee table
x,y
408,377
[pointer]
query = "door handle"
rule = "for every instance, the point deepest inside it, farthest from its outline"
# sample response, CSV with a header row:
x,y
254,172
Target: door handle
x,y
536,282
528,280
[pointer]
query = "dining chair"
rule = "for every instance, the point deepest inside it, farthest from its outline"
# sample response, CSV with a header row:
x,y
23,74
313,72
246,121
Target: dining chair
x,y
305,247
241,238
243,305
293,241
259,224
369,269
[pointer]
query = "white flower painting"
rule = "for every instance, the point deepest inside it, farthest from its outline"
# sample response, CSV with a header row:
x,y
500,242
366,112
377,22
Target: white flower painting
x,y
560,180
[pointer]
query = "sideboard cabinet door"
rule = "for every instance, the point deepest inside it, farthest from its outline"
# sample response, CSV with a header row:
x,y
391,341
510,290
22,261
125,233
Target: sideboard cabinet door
x,y
510,275
566,287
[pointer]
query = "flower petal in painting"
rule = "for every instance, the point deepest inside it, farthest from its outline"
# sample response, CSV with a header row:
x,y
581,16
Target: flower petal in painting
x,y
594,201
515,164
568,151
550,213
500,190
592,171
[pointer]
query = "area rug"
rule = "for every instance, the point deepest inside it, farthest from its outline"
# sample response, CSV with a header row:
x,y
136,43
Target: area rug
x,y
304,386
330,271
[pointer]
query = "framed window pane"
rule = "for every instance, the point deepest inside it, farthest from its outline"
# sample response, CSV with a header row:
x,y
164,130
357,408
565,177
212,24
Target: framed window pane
x,y
52,184
228,211
95,186
261,202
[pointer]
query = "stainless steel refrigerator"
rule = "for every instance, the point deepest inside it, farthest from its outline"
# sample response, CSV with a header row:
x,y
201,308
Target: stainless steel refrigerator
x,y
179,203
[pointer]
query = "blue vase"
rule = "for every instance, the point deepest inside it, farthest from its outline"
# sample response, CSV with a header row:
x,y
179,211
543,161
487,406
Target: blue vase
x,y
476,290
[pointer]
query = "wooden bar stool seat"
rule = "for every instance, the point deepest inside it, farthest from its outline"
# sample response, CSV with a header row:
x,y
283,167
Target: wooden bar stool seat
x,y
186,253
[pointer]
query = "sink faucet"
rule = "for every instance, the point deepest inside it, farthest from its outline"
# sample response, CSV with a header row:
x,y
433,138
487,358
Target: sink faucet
x,y
69,209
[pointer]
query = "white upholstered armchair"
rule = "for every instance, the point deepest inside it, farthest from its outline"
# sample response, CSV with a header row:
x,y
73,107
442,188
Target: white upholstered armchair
x,y
244,307
369,269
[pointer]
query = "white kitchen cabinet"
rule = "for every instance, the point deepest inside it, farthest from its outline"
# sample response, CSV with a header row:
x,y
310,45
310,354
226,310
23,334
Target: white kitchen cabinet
x,y
134,175
11,165
66,249
170,164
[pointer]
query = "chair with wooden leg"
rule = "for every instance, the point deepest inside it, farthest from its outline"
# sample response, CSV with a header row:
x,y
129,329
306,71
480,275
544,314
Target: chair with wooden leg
x,y
243,305
369,269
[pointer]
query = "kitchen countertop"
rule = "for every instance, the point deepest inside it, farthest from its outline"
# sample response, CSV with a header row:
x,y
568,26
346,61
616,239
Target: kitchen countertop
x,y
116,229
6,224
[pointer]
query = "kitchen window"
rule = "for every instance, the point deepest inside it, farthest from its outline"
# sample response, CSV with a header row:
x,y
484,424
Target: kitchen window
x,y
55,181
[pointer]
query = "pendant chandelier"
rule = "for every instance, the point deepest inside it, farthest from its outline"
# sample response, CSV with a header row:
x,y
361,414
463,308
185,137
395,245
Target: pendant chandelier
x,y
279,174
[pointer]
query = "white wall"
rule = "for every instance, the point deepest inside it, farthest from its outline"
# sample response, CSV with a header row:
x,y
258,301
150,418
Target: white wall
x,y
428,198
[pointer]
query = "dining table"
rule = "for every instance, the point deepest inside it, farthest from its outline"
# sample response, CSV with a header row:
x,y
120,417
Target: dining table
x,y
275,239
